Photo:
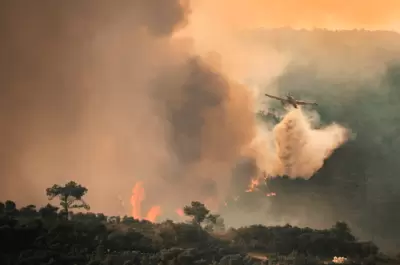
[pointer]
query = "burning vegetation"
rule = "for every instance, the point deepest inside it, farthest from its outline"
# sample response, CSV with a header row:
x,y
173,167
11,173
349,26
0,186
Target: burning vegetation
x,y
108,91
34,236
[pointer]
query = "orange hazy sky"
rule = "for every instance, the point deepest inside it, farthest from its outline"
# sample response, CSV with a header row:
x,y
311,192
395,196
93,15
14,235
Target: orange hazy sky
x,y
333,14
214,26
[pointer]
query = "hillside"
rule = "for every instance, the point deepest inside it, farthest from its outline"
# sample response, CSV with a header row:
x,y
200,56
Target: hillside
x,y
47,236
354,76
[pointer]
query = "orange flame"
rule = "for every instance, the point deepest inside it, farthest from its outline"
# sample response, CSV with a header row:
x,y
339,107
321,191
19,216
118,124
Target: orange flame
x,y
138,195
180,212
253,184
153,213
136,201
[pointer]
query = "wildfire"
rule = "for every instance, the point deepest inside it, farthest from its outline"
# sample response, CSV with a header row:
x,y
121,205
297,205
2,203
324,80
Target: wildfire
x,y
138,195
180,212
153,213
136,201
339,260
253,184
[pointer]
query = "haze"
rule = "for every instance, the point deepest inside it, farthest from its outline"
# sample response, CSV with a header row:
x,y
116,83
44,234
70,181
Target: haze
x,y
111,94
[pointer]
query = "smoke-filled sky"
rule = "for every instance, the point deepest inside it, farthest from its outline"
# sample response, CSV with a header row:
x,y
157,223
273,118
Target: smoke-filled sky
x,y
101,94
331,14
111,93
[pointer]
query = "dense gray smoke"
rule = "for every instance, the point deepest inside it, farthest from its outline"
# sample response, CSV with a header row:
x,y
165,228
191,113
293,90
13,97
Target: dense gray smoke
x,y
211,122
100,93
74,93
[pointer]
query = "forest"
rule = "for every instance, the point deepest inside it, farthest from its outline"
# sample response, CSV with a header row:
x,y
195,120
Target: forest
x,y
98,93
64,235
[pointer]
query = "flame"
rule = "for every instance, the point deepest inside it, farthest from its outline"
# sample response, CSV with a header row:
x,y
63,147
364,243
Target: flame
x,y
136,202
339,260
138,195
253,184
180,212
153,213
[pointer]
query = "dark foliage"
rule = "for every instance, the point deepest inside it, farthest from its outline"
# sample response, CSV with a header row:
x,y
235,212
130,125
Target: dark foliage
x,y
44,236
31,236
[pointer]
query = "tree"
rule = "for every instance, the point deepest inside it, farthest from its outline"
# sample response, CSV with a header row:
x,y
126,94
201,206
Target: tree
x,y
197,211
128,220
219,225
28,211
70,196
10,208
49,211
211,221
114,219
212,218
342,231
101,217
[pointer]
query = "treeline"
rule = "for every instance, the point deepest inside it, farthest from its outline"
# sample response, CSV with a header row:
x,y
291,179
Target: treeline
x,y
55,235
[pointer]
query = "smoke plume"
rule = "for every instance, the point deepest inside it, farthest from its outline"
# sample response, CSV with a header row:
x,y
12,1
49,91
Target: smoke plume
x,y
76,95
108,93
357,183
103,94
